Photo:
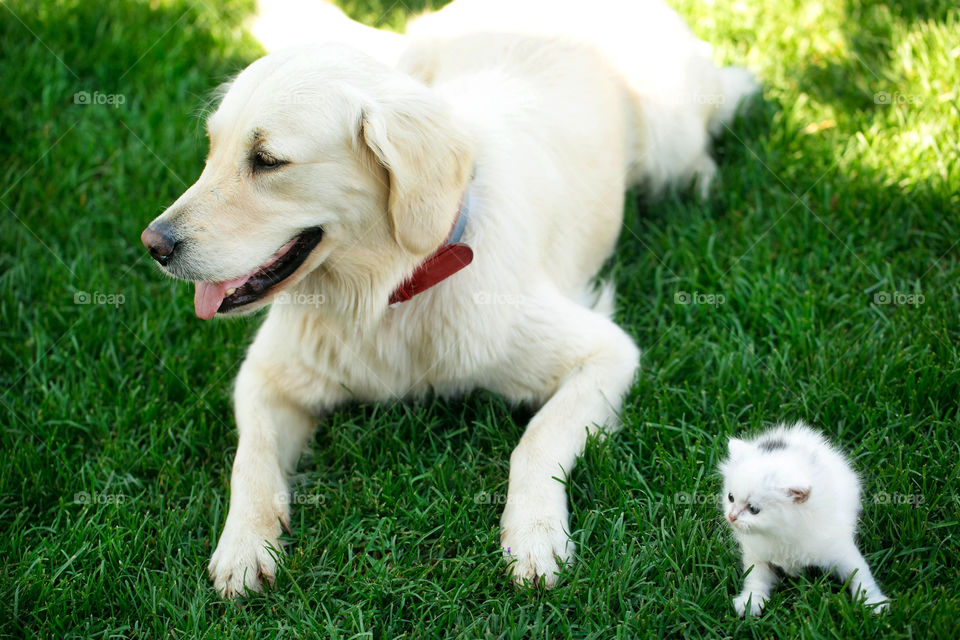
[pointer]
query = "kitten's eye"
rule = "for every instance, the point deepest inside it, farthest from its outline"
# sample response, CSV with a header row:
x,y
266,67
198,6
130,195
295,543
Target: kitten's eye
x,y
753,509
730,497
263,160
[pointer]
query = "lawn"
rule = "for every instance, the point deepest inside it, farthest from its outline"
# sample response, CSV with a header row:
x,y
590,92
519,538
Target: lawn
x,y
819,281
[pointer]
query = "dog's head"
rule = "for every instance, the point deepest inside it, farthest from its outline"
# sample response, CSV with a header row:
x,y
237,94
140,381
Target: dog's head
x,y
326,168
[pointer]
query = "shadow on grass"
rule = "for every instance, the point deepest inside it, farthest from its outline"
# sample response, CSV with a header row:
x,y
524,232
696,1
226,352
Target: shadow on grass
x,y
866,80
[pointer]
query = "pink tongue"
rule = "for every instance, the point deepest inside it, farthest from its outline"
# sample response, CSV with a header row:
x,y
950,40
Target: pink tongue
x,y
209,295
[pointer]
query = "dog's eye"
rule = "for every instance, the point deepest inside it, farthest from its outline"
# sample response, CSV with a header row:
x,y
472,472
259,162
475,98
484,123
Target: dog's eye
x,y
263,160
753,509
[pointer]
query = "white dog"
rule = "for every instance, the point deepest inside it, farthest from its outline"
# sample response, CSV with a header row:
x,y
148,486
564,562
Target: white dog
x,y
437,227
279,24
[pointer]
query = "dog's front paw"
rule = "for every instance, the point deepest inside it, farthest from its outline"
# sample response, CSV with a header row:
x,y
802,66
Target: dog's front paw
x,y
536,546
757,601
244,559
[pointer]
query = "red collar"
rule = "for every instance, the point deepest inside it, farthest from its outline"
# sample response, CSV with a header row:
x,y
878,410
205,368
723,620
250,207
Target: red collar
x,y
452,256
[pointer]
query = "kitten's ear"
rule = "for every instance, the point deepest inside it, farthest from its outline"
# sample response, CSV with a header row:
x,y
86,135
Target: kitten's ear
x,y
738,448
799,495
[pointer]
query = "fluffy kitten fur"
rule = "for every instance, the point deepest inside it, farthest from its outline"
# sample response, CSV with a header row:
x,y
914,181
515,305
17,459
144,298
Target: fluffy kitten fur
x,y
792,501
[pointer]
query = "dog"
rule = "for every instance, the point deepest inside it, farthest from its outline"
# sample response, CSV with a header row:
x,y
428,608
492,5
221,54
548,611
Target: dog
x,y
436,227
279,24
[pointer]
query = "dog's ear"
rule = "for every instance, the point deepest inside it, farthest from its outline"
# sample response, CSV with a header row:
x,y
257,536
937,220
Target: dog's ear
x,y
428,159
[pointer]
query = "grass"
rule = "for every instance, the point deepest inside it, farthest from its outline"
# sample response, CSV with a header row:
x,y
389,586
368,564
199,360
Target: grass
x,y
829,249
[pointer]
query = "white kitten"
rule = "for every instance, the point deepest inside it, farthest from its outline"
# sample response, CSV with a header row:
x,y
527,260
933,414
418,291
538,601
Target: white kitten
x,y
792,501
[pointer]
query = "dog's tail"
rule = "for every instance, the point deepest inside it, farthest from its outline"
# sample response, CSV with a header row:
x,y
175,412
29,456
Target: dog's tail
x,y
737,85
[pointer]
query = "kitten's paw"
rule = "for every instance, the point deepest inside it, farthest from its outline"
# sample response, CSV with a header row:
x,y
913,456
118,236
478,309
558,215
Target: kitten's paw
x,y
756,605
878,603
535,545
244,559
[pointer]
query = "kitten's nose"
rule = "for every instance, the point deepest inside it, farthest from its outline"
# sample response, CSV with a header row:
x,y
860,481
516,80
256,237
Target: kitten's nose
x,y
731,517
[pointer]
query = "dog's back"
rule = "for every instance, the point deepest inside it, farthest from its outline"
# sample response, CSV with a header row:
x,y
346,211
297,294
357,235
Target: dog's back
x,y
553,130
678,96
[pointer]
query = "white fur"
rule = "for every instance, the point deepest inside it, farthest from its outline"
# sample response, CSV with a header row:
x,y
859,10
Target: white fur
x,y
280,24
809,501
674,86
546,133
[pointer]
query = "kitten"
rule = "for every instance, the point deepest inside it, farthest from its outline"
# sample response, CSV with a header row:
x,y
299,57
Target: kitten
x,y
792,501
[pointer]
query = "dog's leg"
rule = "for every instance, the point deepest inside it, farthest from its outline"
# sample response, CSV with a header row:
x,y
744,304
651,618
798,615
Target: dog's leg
x,y
272,432
586,364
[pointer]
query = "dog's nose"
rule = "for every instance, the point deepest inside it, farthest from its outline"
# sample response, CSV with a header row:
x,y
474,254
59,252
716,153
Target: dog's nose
x,y
160,242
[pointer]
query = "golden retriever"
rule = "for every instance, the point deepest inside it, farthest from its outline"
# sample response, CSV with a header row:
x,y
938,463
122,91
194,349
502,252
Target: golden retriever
x,y
437,226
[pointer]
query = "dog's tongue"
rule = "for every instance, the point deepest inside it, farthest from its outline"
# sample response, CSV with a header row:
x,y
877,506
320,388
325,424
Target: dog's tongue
x,y
209,295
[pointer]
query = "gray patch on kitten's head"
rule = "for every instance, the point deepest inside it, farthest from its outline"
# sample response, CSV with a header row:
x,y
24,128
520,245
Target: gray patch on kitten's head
x,y
771,445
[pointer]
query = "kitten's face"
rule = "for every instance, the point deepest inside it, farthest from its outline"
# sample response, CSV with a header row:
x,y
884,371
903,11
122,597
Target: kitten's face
x,y
749,510
761,489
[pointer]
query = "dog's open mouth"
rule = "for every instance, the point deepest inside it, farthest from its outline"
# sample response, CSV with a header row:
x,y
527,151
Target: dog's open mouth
x,y
219,297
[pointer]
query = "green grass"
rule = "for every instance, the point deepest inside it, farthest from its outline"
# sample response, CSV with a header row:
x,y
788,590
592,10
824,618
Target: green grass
x,y
826,200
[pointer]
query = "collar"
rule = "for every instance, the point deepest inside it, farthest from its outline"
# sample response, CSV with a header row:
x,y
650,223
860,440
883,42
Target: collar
x,y
452,256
